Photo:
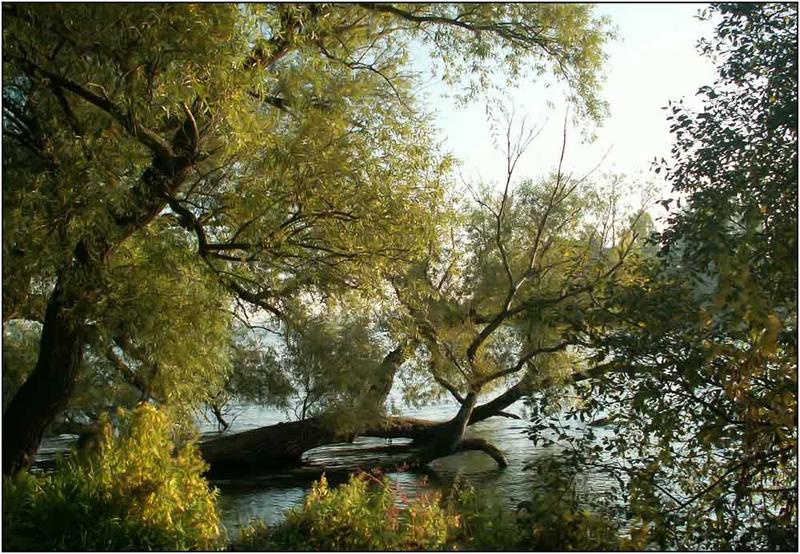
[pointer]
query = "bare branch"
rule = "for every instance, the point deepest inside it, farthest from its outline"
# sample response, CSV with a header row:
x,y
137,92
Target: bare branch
x,y
513,154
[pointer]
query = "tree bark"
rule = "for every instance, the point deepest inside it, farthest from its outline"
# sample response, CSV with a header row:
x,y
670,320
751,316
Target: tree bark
x,y
266,448
446,438
282,445
46,392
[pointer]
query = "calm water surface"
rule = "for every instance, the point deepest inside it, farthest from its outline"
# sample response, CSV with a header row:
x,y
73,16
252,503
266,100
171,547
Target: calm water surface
x,y
269,497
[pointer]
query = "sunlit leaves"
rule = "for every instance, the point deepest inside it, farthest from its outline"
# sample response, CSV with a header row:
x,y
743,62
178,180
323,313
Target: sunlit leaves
x,y
520,40
134,491
703,398
167,161
169,315
511,296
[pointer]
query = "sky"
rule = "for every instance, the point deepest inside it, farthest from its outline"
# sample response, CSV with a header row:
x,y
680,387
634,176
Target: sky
x,y
653,59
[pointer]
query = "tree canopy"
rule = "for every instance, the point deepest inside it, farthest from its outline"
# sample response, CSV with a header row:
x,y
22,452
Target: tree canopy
x,y
264,153
507,295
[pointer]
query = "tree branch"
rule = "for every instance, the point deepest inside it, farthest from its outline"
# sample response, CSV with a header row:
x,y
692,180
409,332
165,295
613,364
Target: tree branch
x,y
525,358
131,377
483,446
151,140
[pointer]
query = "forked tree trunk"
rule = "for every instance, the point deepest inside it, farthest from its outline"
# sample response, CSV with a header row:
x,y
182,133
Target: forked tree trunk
x,y
48,388
447,437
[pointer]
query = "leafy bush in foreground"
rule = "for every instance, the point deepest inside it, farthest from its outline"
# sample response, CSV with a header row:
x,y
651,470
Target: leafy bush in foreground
x,y
364,515
359,515
134,492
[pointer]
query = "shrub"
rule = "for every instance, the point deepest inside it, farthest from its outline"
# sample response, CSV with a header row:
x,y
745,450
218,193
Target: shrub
x,y
360,515
555,521
134,491
484,525
581,530
364,515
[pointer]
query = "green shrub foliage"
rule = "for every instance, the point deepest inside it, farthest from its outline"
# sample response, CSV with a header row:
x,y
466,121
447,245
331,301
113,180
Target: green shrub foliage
x,y
133,491
368,513
360,515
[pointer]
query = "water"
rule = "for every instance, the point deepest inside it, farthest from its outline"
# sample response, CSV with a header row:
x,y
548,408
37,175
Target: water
x,y
269,497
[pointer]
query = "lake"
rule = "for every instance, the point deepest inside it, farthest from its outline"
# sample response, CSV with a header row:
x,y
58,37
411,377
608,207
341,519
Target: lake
x,y
269,497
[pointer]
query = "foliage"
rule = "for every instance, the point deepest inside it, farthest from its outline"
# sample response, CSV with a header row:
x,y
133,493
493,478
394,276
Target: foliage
x,y
136,353
136,491
328,361
167,165
507,295
507,43
698,427
370,514
101,388
702,396
256,375
334,363
552,522
735,161
20,342
359,515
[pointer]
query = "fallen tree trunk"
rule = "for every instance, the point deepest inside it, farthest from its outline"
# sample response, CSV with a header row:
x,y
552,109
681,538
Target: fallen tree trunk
x,y
265,448
282,445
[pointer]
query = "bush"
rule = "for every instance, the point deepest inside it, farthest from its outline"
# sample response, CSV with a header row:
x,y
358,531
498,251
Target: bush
x,y
359,515
134,491
364,515
576,530
484,525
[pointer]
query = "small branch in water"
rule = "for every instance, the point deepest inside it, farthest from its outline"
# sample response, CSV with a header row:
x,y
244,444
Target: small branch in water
x,y
484,446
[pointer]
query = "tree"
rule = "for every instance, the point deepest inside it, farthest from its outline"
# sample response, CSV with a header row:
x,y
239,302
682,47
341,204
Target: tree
x,y
264,152
505,301
704,405
501,305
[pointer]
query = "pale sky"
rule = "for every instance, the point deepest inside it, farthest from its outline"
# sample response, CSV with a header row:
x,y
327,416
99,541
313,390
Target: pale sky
x,y
653,60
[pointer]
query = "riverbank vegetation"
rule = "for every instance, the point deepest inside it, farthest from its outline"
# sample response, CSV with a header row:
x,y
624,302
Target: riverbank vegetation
x,y
209,204
363,514
130,490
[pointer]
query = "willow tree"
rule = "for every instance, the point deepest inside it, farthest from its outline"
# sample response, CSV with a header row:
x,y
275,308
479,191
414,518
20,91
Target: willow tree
x,y
505,304
261,151
510,303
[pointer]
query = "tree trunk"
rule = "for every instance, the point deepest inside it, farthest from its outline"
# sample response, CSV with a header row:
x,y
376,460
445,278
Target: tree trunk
x,y
48,388
447,438
282,445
